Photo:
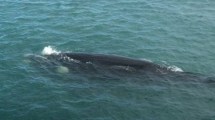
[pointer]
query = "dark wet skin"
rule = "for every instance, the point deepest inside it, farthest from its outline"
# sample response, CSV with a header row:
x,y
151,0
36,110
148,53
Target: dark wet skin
x,y
111,60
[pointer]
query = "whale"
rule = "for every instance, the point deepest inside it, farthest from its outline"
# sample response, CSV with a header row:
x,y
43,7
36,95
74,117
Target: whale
x,y
98,61
115,62
107,65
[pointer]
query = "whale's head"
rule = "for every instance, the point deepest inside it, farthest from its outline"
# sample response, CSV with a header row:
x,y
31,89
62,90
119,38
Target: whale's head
x,y
48,63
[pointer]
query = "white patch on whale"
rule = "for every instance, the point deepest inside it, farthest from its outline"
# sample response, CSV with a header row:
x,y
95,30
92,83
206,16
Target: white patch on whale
x,y
175,69
172,67
62,69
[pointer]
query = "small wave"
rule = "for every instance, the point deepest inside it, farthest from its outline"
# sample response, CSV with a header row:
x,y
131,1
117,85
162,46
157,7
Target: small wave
x,y
48,50
175,69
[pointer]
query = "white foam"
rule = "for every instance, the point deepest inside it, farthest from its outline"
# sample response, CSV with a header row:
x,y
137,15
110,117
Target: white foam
x,y
48,50
175,69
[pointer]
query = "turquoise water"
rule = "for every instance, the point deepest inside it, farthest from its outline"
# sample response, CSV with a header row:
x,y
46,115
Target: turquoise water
x,y
172,33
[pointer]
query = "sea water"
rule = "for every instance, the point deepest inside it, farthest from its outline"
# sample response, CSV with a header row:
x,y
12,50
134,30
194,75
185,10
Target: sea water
x,y
178,34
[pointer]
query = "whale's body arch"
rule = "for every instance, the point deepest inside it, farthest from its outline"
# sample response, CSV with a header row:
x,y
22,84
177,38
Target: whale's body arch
x,y
109,60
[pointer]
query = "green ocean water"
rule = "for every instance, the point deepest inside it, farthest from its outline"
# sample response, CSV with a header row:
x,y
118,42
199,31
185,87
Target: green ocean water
x,y
171,33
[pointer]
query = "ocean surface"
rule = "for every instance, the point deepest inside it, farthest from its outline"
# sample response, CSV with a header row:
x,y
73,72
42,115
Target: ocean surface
x,y
179,34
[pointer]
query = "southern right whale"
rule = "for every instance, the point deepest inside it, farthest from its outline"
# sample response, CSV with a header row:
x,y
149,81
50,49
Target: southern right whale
x,y
111,61
92,64
71,60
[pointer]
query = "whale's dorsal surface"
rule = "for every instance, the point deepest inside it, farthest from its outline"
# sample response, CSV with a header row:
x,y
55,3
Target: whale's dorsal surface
x,y
110,60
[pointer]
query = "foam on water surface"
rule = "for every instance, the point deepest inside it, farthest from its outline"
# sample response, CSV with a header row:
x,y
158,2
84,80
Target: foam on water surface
x,y
48,50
